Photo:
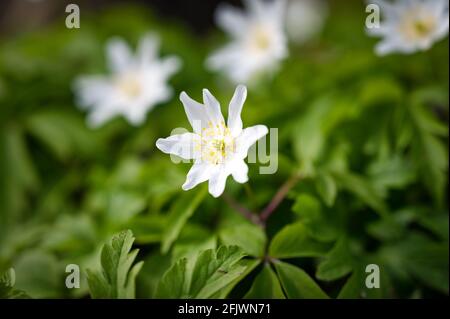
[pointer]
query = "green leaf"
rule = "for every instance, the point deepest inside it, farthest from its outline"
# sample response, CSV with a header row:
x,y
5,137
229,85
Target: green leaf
x,y
155,265
148,229
363,189
117,277
432,151
250,265
355,286
265,286
321,225
393,172
29,267
180,212
249,237
64,133
308,139
203,275
424,259
297,284
326,187
7,291
294,241
123,205
18,174
337,263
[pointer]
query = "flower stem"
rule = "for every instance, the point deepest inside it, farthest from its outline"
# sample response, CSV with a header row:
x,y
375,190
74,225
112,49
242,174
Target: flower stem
x,y
278,198
241,209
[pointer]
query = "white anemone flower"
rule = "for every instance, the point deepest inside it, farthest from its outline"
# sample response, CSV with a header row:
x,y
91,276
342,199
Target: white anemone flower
x,y
305,19
217,149
410,25
258,40
136,84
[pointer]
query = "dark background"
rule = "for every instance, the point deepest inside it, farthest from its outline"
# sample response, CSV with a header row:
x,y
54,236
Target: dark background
x,y
18,16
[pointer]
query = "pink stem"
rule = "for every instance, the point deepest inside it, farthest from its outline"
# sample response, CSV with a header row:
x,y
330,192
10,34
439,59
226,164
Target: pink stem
x,y
241,209
278,198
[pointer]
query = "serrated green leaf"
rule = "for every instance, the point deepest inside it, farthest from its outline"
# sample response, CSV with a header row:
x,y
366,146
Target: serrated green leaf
x,y
250,265
7,291
204,275
116,279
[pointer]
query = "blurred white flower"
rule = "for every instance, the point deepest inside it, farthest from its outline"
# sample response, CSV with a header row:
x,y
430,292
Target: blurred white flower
x,y
410,25
136,84
305,19
258,39
218,149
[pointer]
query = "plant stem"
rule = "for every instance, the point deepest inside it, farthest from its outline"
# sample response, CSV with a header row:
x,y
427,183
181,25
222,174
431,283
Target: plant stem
x,y
278,198
241,209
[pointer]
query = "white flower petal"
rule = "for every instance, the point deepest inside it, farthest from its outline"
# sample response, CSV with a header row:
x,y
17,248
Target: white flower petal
x,y
182,145
398,26
442,29
199,173
217,183
277,10
231,19
119,55
248,137
148,48
258,40
136,115
195,112
385,47
212,107
137,83
102,114
234,61
170,65
304,19
234,111
239,170
91,90
255,7
384,5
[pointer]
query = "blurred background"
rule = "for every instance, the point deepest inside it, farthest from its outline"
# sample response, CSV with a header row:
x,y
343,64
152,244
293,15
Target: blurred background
x,y
38,13
370,133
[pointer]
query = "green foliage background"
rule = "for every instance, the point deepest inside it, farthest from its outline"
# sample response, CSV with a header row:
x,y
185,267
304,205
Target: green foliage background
x,y
368,135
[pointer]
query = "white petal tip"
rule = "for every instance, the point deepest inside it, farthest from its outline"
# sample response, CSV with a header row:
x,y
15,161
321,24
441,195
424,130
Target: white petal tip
x,y
215,195
183,95
160,144
264,130
242,181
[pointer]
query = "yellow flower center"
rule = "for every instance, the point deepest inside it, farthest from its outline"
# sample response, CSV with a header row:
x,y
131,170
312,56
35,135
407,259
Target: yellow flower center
x,y
129,84
260,38
416,27
216,143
